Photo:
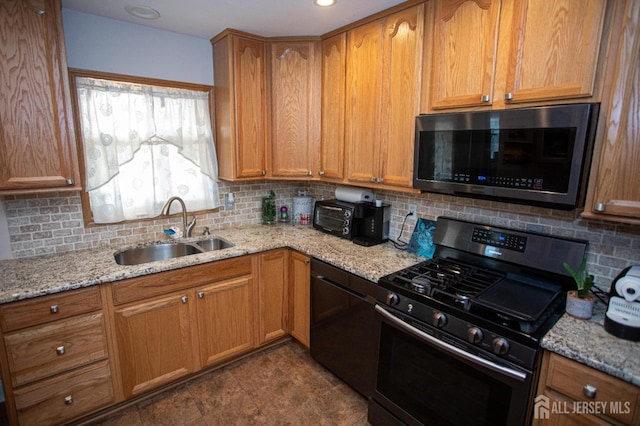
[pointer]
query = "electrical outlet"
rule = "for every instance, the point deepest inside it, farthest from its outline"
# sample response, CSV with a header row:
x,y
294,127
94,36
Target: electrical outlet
x,y
413,209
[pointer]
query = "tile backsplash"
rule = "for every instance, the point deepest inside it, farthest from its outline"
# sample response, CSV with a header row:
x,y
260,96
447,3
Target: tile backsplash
x,y
53,223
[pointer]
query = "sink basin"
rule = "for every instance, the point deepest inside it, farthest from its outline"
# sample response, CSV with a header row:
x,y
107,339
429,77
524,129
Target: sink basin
x,y
165,251
214,243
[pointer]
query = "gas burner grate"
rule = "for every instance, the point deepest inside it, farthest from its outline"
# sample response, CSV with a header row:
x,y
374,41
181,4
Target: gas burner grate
x,y
451,282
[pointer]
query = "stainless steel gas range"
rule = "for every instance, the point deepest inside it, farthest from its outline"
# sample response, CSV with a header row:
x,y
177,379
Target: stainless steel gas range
x,y
460,333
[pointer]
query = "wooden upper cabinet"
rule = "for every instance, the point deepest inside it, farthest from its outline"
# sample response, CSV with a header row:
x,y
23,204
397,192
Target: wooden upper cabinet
x,y
465,42
497,53
295,109
384,60
549,49
614,193
37,143
239,62
333,107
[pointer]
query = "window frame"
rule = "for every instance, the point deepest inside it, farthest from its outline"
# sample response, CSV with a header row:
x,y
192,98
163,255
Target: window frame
x,y
87,214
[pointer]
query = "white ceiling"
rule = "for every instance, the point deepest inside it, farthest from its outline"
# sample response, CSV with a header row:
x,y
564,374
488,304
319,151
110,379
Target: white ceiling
x,y
206,18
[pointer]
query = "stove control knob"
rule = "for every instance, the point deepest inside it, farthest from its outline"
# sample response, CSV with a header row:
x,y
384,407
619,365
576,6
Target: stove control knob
x,y
500,346
439,319
392,299
474,335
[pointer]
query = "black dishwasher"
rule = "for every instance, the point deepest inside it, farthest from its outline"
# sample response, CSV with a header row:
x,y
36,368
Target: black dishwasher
x,y
343,325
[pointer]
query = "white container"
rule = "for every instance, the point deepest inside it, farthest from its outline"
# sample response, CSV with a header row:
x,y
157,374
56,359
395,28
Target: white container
x,y
302,205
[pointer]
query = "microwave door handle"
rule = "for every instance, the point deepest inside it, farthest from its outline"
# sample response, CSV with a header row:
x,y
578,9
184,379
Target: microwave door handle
x,y
514,374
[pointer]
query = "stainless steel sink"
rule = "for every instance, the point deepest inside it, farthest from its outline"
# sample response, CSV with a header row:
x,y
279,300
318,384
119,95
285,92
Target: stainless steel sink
x,y
165,251
214,243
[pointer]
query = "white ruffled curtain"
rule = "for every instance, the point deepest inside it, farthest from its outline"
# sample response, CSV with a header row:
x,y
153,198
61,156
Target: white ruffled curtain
x,y
144,144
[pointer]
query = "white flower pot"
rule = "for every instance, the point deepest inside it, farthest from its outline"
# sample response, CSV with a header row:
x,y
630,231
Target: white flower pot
x,y
580,308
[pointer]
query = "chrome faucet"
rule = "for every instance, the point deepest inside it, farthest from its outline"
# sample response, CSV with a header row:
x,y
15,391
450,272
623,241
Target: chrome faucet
x,y
186,228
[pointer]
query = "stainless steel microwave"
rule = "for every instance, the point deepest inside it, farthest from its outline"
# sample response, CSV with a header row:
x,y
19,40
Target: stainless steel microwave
x,y
538,156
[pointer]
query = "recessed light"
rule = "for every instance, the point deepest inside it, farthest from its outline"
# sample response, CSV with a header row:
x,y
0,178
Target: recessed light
x,y
325,2
144,12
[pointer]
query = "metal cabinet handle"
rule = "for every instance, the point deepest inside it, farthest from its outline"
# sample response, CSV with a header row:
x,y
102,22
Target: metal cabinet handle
x,y
307,261
70,182
321,172
485,98
68,400
54,309
508,96
589,391
60,350
309,173
200,294
184,299
264,172
600,207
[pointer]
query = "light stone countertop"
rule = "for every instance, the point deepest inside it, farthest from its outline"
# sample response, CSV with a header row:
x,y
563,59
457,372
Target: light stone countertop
x,y
37,276
587,342
584,341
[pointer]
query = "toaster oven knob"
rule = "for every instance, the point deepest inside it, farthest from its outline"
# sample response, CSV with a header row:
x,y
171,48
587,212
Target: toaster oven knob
x,y
392,299
474,335
500,346
439,319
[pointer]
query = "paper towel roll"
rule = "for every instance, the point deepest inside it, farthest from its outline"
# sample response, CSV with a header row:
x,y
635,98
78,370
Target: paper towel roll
x,y
353,195
629,288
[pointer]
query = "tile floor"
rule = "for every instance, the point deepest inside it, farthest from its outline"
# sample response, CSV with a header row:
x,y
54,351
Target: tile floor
x,y
281,385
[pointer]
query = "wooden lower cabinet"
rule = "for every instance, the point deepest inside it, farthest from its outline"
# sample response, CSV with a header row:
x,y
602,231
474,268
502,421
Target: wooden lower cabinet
x,y
299,296
225,319
272,299
205,318
570,393
55,358
155,342
65,397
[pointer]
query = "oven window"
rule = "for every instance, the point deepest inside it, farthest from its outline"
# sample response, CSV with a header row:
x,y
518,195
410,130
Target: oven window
x,y
436,388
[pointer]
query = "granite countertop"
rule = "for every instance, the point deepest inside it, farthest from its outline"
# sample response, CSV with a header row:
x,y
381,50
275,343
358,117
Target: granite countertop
x,y
584,341
587,342
37,276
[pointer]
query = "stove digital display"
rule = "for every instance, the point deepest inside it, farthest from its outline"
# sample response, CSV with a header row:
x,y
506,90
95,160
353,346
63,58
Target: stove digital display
x,y
499,239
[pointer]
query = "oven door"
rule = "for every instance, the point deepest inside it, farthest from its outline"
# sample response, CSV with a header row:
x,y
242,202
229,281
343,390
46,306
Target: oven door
x,y
424,380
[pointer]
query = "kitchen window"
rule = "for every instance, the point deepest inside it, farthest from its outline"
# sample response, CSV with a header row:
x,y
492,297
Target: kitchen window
x,y
143,141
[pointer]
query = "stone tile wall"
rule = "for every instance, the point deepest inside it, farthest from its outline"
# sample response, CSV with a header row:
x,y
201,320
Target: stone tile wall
x,y
53,223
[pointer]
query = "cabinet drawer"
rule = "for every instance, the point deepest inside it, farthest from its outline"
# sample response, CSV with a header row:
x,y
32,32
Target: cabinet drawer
x,y
65,397
166,282
43,351
570,378
39,310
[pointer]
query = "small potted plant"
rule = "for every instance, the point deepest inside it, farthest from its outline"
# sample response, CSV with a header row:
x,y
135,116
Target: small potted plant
x,y
580,301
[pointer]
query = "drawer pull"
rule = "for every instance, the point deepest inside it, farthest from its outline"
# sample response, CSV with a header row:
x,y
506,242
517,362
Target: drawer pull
x,y
200,294
184,299
60,350
54,309
589,391
68,400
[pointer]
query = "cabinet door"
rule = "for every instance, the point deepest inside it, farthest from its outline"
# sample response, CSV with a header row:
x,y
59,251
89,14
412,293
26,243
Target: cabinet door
x,y
37,144
364,92
333,107
240,107
295,109
403,41
225,319
155,342
614,193
273,295
464,42
549,48
299,296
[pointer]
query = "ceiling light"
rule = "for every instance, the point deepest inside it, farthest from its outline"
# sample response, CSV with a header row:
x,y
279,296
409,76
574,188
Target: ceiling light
x,y
144,12
325,2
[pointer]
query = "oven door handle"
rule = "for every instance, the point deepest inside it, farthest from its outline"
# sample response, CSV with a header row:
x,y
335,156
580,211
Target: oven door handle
x,y
518,375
